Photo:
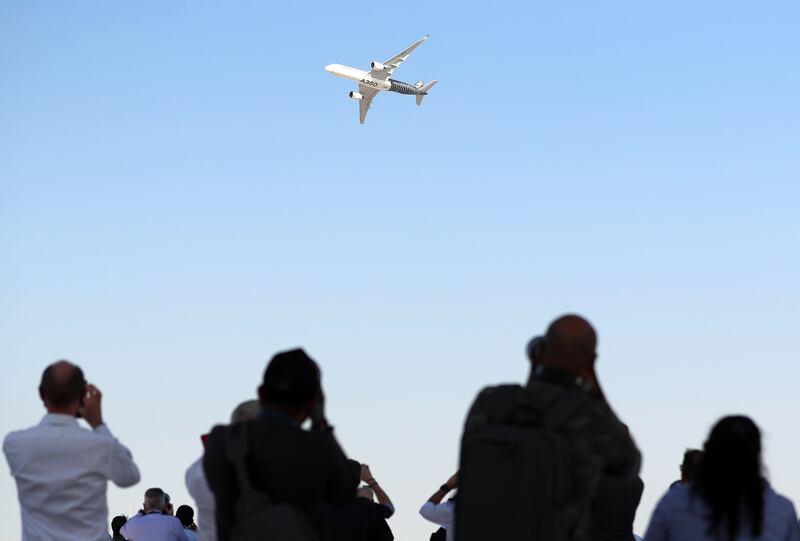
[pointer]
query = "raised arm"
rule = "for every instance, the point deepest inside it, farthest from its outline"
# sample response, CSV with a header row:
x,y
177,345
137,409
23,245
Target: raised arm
x,y
367,477
439,495
122,470
437,512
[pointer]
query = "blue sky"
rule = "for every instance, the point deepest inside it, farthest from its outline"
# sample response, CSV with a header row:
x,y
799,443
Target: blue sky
x,y
184,191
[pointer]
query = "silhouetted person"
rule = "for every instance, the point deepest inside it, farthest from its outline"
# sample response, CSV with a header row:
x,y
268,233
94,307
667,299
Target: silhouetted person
x,y
117,523
185,514
153,524
302,468
729,499
377,528
562,397
614,508
360,517
61,469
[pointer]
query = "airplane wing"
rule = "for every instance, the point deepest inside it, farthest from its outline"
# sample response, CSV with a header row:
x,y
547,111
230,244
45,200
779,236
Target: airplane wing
x,y
363,104
394,62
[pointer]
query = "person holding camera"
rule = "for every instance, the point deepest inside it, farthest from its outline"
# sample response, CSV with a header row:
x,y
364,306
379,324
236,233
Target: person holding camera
x,y
442,513
560,415
154,523
61,469
296,469
361,519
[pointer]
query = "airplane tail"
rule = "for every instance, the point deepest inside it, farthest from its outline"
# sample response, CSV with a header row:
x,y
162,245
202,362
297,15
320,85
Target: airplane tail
x,y
424,88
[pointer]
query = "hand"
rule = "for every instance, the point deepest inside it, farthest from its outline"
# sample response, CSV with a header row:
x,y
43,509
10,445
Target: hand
x,y
453,481
317,414
366,475
91,409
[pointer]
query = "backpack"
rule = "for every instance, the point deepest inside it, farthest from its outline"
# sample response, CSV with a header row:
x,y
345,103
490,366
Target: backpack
x,y
258,518
514,476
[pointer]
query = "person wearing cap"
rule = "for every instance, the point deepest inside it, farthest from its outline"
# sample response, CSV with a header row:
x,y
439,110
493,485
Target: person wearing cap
x,y
304,468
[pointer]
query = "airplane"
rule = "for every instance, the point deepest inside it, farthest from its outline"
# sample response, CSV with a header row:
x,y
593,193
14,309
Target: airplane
x,y
378,78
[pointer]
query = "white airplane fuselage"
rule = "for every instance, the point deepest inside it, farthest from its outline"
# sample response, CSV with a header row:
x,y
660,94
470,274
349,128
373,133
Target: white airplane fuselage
x,y
355,74
378,79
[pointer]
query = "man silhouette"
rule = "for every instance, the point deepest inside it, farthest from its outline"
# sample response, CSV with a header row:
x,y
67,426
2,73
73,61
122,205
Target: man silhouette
x,y
294,466
597,443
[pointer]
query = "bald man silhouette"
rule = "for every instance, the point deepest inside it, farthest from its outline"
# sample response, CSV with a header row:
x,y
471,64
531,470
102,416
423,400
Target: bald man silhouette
x,y
563,361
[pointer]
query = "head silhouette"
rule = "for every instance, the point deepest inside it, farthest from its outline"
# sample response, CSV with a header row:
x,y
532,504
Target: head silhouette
x,y
117,523
569,344
291,383
729,477
691,461
62,386
185,514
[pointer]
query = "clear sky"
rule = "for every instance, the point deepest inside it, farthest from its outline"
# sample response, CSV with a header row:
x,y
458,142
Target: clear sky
x,y
184,191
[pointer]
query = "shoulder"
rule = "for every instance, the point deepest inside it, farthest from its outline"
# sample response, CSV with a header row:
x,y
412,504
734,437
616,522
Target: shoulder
x,y
18,440
679,492
216,438
23,434
14,438
132,521
194,471
487,400
778,501
491,392
677,496
217,432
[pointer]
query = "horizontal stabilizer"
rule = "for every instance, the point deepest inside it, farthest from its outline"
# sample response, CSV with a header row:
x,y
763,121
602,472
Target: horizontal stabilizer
x,y
424,89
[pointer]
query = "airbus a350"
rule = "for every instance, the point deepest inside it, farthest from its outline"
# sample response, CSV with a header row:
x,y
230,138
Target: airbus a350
x,y
378,78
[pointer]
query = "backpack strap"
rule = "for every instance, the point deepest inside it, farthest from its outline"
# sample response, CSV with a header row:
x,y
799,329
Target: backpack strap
x,y
236,446
563,407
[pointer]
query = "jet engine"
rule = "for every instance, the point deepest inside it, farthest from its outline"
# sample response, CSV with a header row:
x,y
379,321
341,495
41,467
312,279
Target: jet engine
x,y
356,96
378,66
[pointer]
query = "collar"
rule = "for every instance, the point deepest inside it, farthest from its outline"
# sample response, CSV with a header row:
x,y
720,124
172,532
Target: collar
x,y
58,419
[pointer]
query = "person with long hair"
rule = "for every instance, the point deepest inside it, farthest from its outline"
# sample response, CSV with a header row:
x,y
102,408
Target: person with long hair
x,y
117,523
729,498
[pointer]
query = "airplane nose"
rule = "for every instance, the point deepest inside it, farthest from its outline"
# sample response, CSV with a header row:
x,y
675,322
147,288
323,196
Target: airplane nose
x,y
329,68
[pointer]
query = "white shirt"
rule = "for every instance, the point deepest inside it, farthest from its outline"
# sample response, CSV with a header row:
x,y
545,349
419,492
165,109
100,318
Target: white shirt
x,y
62,472
153,527
442,514
198,488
